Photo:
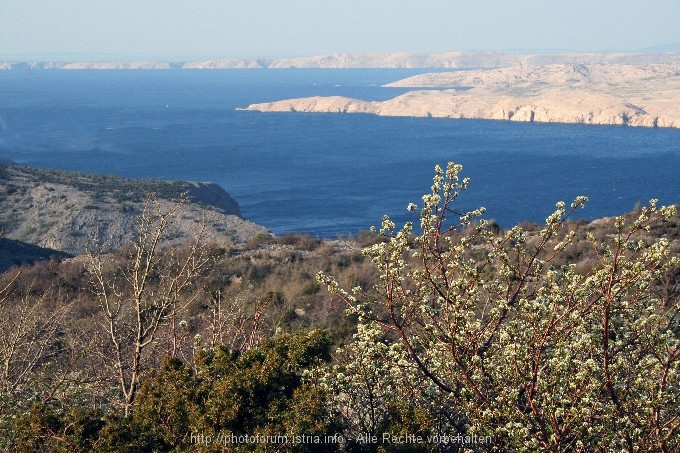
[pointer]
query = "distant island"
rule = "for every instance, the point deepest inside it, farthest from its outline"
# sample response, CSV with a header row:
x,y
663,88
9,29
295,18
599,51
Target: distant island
x,y
390,60
631,89
642,94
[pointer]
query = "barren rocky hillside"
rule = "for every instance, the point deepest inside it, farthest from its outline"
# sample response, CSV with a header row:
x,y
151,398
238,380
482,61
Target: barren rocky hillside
x,y
570,74
71,212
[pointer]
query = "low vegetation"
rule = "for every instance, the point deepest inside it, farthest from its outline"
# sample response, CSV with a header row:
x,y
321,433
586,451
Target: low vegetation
x,y
448,335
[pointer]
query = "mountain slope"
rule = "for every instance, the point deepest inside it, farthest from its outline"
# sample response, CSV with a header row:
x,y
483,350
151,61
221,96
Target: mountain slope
x,y
72,212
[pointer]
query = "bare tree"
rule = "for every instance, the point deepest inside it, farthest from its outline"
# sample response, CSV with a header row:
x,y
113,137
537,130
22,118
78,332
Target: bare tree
x,y
33,360
145,292
232,325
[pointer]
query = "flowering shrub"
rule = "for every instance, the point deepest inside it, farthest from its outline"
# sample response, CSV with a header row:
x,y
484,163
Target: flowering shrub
x,y
536,354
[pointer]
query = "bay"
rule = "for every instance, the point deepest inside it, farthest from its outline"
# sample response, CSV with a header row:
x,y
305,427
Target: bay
x,y
325,174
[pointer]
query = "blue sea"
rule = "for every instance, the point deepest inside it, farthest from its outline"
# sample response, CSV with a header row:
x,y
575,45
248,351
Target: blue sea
x,y
325,174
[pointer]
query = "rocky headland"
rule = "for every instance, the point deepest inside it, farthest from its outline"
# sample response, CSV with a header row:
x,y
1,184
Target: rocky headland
x,y
612,94
45,212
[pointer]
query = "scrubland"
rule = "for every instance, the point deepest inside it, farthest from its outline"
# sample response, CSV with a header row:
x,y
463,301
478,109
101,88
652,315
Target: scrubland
x,y
448,334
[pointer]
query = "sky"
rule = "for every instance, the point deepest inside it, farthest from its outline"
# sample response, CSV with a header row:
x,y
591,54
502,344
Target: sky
x,y
201,29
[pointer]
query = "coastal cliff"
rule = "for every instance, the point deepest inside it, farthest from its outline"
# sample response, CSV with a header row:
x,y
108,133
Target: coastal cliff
x,y
632,95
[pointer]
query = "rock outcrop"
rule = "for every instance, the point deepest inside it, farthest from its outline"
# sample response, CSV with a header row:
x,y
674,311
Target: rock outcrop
x,y
211,194
632,95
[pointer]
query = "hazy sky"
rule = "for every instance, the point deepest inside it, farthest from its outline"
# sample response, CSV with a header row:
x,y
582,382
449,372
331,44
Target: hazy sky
x,y
182,29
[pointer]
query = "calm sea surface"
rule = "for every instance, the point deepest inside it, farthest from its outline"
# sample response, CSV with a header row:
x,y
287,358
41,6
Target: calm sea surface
x,y
326,174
